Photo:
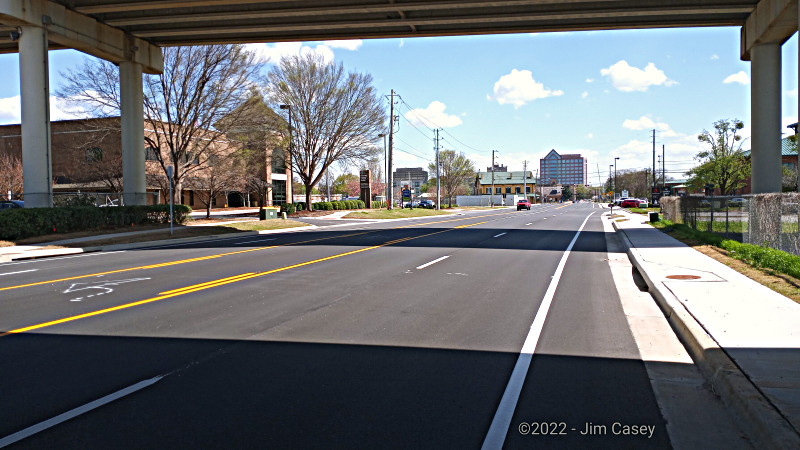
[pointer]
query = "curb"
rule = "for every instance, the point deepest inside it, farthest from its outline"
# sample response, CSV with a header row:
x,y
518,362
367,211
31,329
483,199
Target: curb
x,y
756,415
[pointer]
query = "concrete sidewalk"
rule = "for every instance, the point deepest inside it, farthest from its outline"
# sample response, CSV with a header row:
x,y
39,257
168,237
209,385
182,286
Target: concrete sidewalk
x,y
744,337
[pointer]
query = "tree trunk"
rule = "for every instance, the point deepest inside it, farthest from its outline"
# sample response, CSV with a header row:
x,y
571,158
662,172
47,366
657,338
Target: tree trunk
x,y
308,198
208,205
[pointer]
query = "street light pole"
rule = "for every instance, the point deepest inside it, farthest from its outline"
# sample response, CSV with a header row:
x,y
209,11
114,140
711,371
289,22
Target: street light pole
x,y
290,178
615,177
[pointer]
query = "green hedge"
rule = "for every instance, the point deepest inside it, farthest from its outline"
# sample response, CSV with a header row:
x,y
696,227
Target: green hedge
x,y
20,223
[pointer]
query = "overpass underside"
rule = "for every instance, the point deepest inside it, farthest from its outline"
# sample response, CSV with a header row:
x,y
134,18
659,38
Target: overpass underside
x,y
130,34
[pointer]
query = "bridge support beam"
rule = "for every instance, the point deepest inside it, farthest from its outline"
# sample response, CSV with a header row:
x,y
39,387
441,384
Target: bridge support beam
x,y
765,98
134,189
35,109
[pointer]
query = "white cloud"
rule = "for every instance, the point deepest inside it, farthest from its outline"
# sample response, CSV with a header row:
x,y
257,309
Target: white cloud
x,y
10,110
350,44
627,78
590,136
714,57
739,77
433,116
402,43
584,94
274,52
518,88
792,93
646,123
590,80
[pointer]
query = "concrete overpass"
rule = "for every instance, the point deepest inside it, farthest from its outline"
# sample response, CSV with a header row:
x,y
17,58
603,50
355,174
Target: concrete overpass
x,y
130,33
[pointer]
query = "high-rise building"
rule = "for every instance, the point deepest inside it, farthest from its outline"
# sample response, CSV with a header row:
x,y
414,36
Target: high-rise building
x,y
555,169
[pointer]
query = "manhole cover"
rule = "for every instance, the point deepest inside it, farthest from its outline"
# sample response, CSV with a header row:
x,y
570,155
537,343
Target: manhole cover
x,y
683,277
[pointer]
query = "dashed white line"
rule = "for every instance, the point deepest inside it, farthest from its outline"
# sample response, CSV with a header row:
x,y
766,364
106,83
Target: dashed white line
x,y
529,224
498,235
432,262
21,271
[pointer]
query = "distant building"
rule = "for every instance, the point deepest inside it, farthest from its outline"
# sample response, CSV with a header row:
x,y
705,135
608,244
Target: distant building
x,y
498,168
519,183
413,176
555,169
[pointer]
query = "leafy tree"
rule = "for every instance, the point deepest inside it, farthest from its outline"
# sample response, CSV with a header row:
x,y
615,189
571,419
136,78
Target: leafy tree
x,y
455,170
342,182
566,193
723,163
335,116
183,106
582,192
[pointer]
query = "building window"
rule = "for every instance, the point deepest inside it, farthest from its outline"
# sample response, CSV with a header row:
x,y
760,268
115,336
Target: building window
x,y
508,190
488,191
498,190
150,154
517,189
94,154
527,189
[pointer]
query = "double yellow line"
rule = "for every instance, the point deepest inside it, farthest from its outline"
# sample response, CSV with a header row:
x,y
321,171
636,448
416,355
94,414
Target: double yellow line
x,y
213,283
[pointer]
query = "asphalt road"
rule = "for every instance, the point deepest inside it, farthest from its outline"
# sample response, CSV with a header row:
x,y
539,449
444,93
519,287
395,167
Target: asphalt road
x,y
401,334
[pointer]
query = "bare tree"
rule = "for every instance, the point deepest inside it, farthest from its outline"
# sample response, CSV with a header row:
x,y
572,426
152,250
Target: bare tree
x,y
335,116
10,174
96,160
217,177
184,106
455,170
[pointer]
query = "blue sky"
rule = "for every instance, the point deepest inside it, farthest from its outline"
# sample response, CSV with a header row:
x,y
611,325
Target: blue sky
x,y
596,93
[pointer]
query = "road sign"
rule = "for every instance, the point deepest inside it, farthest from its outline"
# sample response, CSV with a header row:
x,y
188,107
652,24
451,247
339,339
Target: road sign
x,y
407,194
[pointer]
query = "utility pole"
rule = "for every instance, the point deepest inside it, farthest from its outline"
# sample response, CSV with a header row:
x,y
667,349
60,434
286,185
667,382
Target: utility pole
x,y
438,189
663,172
390,182
525,178
654,166
491,197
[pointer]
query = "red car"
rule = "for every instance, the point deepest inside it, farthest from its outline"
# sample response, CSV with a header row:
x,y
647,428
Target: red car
x,y
524,203
631,203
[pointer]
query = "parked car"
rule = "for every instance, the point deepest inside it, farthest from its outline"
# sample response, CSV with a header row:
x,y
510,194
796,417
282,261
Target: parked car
x,y
630,203
426,204
524,204
9,204
736,202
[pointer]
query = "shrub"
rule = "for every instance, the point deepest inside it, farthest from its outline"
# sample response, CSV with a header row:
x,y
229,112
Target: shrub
x,y
20,223
288,208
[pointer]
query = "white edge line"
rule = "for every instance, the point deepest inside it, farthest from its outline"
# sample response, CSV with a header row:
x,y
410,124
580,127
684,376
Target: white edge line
x,y
81,255
496,436
432,262
30,431
21,271
498,235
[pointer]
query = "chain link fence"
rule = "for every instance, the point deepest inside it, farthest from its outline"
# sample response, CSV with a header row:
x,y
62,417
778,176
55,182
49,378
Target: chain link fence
x,y
769,220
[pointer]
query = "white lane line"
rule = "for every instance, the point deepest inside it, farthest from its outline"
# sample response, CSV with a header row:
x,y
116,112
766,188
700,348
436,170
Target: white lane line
x,y
41,426
432,262
502,417
81,255
529,224
21,271
498,235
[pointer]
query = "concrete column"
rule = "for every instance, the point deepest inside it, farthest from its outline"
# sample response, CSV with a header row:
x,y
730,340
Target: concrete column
x,y
765,112
134,188
35,108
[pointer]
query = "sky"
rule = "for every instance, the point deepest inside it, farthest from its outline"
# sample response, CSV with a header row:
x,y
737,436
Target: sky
x,y
597,93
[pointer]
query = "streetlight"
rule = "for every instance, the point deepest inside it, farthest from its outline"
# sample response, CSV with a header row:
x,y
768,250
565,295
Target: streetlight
x,y
387,189
615,177
291,177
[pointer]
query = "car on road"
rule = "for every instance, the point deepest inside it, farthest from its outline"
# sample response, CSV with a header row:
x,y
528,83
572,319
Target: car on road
x,y
9,204
524,204
630,203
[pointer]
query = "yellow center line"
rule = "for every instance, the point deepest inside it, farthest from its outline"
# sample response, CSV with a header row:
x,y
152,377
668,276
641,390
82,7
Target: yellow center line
x,y
215,283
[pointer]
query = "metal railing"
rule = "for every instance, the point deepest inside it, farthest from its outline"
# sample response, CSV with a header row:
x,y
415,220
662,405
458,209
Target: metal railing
x,y
770,220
